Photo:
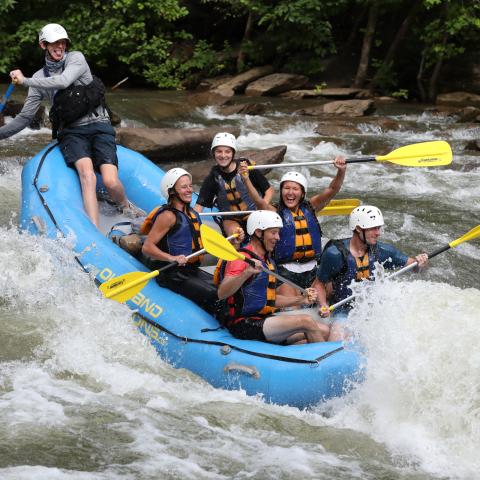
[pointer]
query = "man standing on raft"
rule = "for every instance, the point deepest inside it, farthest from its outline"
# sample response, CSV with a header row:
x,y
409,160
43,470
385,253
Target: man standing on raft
x,y
87,141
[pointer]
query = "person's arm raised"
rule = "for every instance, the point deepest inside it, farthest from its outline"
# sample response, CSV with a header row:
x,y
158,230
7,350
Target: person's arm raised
x,y
261,203
320,200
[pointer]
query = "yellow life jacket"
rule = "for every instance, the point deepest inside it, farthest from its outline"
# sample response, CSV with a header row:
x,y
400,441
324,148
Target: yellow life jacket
x,y
303,239
363,268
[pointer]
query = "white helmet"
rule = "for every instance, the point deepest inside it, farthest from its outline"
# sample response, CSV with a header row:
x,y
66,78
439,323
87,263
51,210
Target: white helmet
x,y
52,32
170,179
263,219
295,177
366,216
224,139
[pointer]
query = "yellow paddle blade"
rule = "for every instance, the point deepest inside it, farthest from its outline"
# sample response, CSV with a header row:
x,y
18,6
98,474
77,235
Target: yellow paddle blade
x,y
471,235
342,202
342,206
331,211
425,154
217,245
126,286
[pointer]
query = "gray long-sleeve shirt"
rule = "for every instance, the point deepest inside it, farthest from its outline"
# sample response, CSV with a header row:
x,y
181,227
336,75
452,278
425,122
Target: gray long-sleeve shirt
x,y
76,71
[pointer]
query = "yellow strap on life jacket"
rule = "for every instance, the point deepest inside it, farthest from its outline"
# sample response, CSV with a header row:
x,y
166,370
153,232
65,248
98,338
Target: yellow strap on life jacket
x,y
270,308
303,239
197,243
234,197
217,274
363,268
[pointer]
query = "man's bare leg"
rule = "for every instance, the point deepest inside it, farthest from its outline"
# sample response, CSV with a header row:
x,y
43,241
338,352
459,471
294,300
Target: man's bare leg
x,y
280,327
113,184
88,183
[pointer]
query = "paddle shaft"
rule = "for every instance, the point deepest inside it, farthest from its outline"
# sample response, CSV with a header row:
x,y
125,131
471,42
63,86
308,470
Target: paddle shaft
x,y
306,164
119,83
226,214
332,205
407,268
6,96
326,211
155,273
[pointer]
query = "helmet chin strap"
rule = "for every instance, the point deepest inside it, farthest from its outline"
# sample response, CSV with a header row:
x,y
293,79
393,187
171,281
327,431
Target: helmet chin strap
x,y
364,239
260,239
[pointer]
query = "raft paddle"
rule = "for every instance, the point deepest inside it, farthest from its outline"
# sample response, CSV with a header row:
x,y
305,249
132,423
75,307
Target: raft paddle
x,y
424,154
334,207
470,235
119,83
217,245
126,286
6,96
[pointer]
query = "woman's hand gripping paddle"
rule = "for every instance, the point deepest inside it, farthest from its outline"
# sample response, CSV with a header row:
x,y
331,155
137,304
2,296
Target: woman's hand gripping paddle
x,y
470,235
126,286
425,154
218,246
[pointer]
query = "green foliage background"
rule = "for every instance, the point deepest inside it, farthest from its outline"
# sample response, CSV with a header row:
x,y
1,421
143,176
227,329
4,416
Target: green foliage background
x,y
174,43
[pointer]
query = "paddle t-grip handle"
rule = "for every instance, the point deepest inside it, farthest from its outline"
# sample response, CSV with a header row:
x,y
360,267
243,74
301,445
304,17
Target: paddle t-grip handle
x,y
360,159
438,251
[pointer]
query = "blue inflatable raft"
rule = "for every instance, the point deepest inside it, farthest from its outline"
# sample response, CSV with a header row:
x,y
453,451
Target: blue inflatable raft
x,y
183,334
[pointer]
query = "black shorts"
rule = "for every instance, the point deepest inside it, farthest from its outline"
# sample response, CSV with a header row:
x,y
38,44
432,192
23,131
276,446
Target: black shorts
x,y
95,141
250,328
193,283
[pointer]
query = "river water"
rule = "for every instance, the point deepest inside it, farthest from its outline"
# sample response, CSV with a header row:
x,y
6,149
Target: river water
x,y
84,396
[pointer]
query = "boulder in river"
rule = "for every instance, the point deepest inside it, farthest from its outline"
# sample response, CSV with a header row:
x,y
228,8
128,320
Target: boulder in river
x,y
207,98
167,144
242,108
13,108
238,83
458,97
275,83
350,108
468,114
267,156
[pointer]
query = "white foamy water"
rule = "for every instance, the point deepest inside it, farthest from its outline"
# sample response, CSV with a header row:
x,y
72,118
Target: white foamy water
x,y
421,395
77,376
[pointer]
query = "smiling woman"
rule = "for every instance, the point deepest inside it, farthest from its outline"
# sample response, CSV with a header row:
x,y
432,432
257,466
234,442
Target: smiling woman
x,y
300,243
173,235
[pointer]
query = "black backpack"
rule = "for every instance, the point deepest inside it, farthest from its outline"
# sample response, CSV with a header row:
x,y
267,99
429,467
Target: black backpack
x,y
75,102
